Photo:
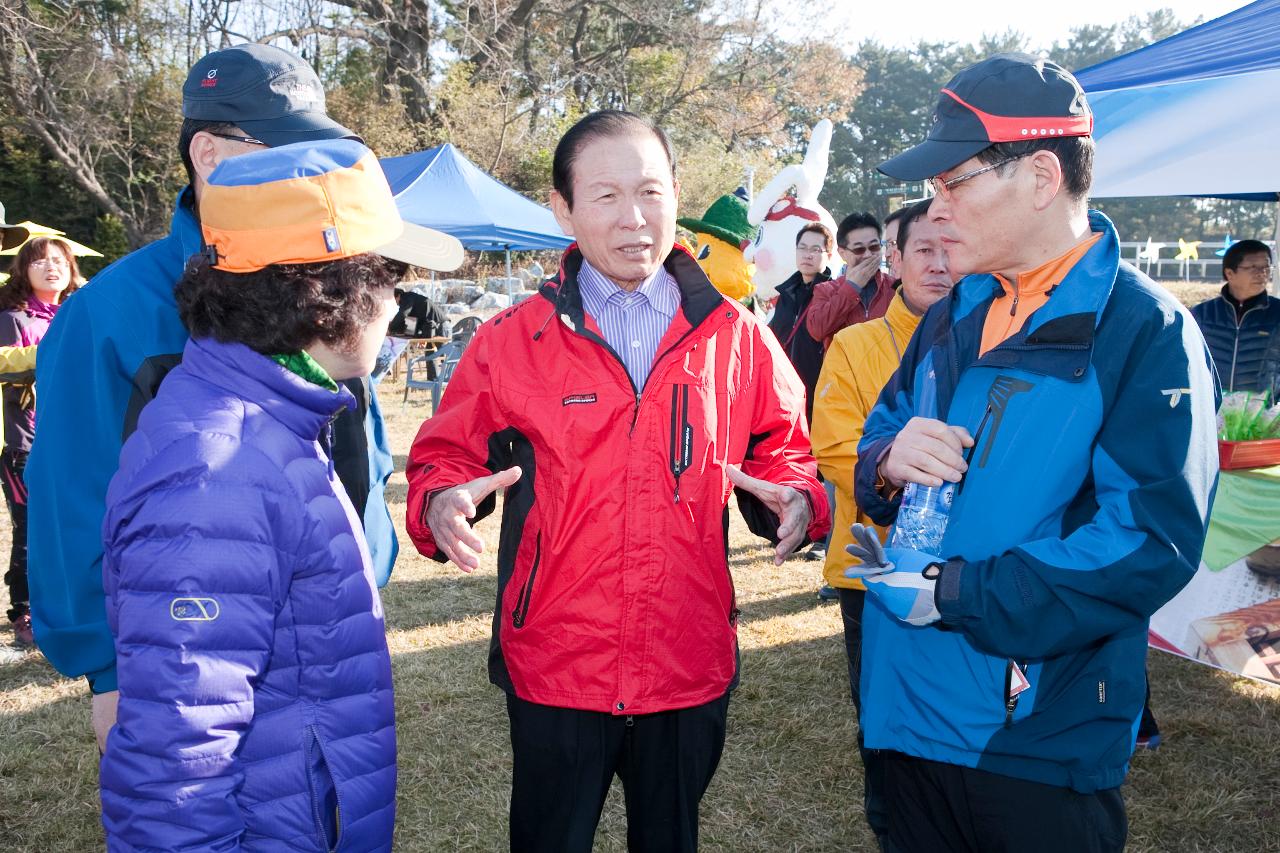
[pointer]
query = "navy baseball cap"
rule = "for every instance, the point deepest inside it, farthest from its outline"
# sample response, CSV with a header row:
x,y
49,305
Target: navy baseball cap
x,y
1010,97
265,91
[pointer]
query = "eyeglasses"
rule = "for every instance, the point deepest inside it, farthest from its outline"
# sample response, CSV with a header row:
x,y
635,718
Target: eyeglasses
x,y
1256,270
50,262
810,250
943,188
858,250
247,140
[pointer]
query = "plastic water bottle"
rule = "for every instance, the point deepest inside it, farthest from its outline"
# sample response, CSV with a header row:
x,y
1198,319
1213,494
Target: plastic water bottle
x,y
922,517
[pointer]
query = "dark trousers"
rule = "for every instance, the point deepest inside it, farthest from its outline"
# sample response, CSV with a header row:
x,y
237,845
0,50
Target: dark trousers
x,y
565,761
851,602
941,808
12,464
1147,726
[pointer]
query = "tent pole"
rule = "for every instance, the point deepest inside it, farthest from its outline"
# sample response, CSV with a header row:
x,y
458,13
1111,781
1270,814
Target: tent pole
x,y
508,273
1275,273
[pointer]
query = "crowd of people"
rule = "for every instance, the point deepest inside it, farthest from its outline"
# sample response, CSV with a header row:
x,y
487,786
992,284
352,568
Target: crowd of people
x,y
208,529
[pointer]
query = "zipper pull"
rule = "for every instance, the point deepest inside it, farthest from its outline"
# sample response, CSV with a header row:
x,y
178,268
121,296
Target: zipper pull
x,y
677,494
631,721
1013,309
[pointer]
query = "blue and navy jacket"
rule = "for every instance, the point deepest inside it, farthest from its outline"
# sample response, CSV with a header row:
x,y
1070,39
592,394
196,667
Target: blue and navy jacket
x,y
105,354
1084,509
1245,350
256,708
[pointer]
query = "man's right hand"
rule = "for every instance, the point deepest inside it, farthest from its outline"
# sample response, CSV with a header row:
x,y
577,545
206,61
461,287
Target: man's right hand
x,y
103,716
450,511
927,452
864,270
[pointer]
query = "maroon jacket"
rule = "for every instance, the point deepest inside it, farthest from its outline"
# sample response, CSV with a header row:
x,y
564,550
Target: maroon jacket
x,y
614,591
836,305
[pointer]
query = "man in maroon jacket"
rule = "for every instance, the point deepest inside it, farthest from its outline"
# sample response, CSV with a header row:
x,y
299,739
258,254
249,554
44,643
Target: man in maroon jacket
x,y
619,409
862,292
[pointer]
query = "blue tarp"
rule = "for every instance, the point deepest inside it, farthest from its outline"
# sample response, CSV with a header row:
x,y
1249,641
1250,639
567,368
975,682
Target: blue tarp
x,y
1239,42
1193,114
439,188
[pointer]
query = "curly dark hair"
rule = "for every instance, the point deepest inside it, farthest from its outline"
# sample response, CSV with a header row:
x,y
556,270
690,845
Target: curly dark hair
x,y
15,293
285,308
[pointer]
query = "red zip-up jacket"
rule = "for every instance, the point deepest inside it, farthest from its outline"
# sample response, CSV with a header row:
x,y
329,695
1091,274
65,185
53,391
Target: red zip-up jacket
x,y
836,305
614,591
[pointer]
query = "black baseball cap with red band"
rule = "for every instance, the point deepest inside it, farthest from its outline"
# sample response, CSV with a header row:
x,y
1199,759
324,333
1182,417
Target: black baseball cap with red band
x,y
1010,97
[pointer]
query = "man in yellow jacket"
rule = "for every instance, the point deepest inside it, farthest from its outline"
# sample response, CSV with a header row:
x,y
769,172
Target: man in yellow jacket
x,y
860,361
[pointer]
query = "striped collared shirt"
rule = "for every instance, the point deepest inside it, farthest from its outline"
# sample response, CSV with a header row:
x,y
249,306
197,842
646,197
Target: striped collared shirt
x,y
632,323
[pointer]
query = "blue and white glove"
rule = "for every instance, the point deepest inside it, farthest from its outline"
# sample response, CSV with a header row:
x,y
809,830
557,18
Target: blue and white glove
x,y
902,580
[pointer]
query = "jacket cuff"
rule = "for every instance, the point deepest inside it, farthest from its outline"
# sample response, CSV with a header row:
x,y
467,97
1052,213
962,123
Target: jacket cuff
x,y
953,589
103,681
881,510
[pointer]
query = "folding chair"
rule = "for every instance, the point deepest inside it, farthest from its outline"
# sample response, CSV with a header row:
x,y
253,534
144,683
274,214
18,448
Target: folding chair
x,y
418,368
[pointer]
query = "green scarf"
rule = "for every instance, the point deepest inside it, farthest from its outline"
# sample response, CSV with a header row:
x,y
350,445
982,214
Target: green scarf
x,y
302,364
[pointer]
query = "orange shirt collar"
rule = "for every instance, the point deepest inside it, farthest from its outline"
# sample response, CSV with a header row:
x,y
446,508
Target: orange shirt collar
x,y
1051,272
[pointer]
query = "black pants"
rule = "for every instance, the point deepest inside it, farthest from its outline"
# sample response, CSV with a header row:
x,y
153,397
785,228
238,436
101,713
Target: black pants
x,y
851,602
565,761
12,464
1147,726
940,808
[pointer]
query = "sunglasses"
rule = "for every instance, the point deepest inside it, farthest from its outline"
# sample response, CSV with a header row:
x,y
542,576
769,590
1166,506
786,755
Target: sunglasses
x,y
858,250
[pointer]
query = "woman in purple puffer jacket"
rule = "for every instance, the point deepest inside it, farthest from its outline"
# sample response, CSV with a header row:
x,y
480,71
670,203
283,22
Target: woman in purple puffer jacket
x,y
255,708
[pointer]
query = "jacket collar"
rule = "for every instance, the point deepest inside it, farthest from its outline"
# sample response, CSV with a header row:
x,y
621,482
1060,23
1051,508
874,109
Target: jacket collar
x,y
698,298
795,281
1249,304
185,225
302,406
900,319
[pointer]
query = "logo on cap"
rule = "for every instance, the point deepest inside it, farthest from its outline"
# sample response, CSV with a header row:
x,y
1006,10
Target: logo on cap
x,y
331,241
210,80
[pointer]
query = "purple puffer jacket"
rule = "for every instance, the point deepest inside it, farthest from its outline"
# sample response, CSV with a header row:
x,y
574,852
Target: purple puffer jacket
x,y
255,685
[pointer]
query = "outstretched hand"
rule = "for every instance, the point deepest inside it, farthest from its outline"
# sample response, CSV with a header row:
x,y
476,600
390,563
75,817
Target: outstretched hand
x,y
790,505
450,512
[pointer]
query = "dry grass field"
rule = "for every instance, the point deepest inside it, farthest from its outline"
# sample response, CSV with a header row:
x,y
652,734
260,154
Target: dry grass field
x,y
790,778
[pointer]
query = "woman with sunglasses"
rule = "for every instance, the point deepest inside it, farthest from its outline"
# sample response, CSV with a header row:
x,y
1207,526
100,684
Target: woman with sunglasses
x,y
43,274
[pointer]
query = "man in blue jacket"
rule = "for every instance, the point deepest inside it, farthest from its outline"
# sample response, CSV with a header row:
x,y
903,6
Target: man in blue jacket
x,y
111,345
1242,323
1072,402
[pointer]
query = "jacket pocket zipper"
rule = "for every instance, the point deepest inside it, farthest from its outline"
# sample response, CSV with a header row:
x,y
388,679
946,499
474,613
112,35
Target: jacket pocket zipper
x,y
681,435
316,805
521,611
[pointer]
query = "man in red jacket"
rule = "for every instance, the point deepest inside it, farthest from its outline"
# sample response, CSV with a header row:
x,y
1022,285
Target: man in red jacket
x,y
619,409
862,292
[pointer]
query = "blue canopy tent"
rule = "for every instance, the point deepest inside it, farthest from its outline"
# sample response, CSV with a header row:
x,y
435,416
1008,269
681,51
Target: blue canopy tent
x,y
1192,114
439,188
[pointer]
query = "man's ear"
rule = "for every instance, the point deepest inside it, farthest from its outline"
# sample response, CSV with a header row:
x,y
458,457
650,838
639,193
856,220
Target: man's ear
x,y
205,155
1047,171
560,209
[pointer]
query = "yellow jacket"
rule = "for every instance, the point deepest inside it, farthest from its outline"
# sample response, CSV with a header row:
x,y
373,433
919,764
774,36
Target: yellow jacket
x,y
17,359
860,361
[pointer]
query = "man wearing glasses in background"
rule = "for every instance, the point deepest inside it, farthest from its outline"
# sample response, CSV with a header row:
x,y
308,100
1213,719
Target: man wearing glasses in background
x,y
1242,323
1072,400
863,292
